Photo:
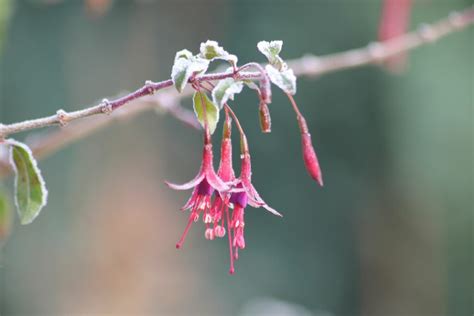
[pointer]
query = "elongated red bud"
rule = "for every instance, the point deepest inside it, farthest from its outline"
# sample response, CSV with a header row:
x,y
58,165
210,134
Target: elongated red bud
x,y
265,119
310,158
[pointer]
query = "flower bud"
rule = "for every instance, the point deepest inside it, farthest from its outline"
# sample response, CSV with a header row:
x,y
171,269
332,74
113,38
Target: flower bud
x,y
310,159
265,119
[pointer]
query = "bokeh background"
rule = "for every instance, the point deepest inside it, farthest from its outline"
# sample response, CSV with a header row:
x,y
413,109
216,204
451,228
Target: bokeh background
x,y
391,232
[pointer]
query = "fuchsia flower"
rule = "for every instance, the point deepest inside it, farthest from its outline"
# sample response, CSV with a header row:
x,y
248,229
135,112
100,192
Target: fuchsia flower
x,y
229,193
245,180
204,184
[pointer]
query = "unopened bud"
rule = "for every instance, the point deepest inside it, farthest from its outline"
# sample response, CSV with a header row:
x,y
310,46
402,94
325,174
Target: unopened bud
x,y
265,119
310,158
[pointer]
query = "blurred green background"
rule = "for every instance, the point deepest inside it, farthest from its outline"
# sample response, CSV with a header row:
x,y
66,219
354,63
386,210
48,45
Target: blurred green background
x,y
391,232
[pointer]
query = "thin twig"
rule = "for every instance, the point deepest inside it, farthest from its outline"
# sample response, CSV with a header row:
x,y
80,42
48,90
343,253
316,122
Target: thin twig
x,y
308,65
377,52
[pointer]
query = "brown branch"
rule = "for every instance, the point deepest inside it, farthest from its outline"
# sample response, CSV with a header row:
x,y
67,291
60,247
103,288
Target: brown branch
x,y
168,101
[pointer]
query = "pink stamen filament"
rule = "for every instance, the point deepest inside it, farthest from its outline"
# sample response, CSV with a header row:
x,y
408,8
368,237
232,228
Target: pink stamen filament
x,y
229,234
179,244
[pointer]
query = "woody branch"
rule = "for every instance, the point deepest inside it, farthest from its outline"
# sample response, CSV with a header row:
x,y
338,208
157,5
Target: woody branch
x,y
148,97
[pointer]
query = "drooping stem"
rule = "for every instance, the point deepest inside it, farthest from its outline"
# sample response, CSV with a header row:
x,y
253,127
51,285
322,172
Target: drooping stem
x,y
243,139
301,120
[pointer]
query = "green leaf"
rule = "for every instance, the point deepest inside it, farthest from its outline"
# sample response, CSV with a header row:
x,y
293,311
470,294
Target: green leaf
x,y
6,216
30,191
271,51
185,65
250,84
211,50
225,90
285,80
212,111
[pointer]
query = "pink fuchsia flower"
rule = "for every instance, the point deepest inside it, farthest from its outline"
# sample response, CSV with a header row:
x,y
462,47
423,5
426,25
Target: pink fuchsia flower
x,y
225,173
245,180
204,184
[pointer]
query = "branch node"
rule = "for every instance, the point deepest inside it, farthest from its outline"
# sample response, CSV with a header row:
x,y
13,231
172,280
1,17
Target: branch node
x,y
149,87
106,107
63,117
376,51
427,33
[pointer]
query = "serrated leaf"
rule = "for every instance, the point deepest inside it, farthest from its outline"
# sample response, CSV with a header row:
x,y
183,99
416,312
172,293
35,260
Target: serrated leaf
x,y
285,80
185,65
225,90
30,191
212,111
211,50
271,50
6,215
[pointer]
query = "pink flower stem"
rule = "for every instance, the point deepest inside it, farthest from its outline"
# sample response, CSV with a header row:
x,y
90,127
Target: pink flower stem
x,y
243,138
229,234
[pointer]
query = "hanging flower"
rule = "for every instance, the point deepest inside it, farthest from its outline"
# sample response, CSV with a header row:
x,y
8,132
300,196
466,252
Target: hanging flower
x,y
245,179
204,184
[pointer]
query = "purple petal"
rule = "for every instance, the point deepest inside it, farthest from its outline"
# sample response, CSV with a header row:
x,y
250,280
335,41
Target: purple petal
x,y
188,185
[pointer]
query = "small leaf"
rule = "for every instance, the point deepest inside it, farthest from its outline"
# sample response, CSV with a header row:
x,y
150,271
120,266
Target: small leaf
x,y
186,54
225,90
6,216
185,65
250,84
212,111
211,50
285,80
271,51
30,191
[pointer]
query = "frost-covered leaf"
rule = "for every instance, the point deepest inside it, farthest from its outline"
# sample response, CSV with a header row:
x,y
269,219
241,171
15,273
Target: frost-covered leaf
x,y
285,80
185,65
186,54
250,84
211,50
271,51
6,215
30,191
225,90
212,111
